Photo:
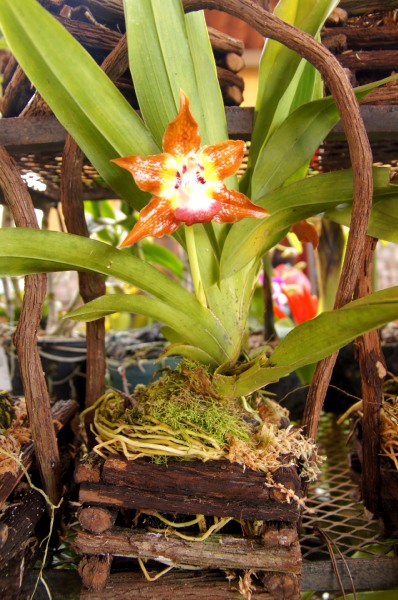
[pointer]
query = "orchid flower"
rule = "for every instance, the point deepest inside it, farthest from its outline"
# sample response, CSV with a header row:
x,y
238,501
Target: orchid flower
x,y
292,287
186,181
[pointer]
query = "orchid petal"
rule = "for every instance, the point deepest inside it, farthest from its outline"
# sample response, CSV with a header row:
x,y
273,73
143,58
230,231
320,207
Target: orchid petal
x,y
156,219
303,306
225,158
151,173
182,134
236,206
306,232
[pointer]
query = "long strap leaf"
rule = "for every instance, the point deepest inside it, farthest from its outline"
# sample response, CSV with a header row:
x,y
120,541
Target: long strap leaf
x,y
169,52
183,324
279,64
313,340
25,251
301,200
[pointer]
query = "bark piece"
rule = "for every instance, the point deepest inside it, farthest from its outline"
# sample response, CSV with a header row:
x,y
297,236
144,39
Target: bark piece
x,y
216,488
177,584
222,42
89,469
373,372
222,551
97,519
94,571
360,7
375,60
20,520
360,37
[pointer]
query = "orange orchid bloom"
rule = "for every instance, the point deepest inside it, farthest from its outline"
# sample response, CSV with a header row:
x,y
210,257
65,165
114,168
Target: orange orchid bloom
x,y
186,181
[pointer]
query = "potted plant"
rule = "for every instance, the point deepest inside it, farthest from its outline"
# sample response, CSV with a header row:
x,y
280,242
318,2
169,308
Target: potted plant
x,y
180,153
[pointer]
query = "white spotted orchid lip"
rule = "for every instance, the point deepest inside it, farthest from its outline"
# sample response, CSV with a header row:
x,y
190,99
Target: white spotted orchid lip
x,y
187,181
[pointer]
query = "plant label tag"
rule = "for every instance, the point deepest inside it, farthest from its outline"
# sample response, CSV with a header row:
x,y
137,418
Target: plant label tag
x,y
5,379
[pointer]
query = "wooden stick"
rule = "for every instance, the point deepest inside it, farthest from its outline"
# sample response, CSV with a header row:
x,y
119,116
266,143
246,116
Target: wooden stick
x,y
223,43
375,60
360,7
92,285
94,571
379,37
25,338
178,585
233,62
373,371
16,95
227,78
222,551
97,519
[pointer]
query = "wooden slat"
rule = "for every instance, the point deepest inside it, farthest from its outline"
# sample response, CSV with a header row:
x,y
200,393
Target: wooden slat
x,y
124,497
223,551
217,488
360,7
45,134
374,60
362,37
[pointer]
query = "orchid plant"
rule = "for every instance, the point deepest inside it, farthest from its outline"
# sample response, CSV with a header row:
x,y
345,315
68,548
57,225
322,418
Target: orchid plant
x,y
225,228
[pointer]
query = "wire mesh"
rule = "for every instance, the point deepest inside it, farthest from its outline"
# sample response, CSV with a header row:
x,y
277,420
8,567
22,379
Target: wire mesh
x,y
335,508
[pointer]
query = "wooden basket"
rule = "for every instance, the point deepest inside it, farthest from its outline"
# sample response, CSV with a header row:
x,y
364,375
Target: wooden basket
x,y
215,488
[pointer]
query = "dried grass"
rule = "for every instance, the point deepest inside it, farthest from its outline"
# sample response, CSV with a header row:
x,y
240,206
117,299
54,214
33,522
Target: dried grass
x,y
15,436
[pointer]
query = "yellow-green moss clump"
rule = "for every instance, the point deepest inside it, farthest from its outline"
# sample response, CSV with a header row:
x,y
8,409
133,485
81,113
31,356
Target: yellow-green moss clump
x,y
181,416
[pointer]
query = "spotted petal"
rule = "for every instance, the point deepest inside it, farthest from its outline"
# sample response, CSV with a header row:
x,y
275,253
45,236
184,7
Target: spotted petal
x,y
182,134
236,206
156,219
224,158
151,173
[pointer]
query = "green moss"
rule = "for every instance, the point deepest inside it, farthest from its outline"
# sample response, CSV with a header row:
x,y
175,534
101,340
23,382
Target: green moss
x,y
184,398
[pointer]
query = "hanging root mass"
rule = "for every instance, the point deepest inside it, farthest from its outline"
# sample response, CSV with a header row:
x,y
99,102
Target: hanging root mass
x,y
181,416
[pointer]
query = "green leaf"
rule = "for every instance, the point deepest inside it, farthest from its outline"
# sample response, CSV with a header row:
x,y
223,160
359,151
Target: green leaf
x,y
293,144
192,352
308,197
211,100
383,221
82,97
185,325
162,256
279,65
313,340
169,52
25,251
